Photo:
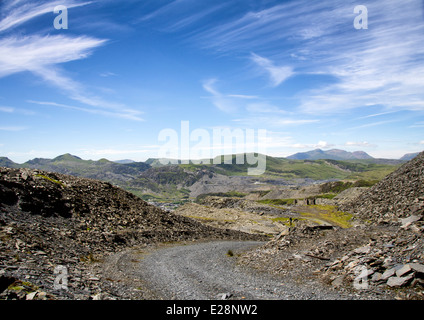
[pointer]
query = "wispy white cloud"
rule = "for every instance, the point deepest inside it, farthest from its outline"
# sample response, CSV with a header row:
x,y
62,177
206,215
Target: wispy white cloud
x,y
37,53
376,115
7,109
191,19
43,55
242,96
19,12
31,154
108,74
288,122
274,121
208,85
372,124
383,65
277,74
260,107
324,144
128,114
269,28
180,14
114,152
417,125
133,152
166,9
12,128
282,144
359,144
256,110
319,145
40,56
228,103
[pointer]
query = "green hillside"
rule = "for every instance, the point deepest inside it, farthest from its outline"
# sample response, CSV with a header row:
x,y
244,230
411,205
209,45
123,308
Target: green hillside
x,y
154,180
282,168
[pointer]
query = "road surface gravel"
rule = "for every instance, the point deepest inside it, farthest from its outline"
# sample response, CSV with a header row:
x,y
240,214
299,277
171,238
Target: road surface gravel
x,y
208,271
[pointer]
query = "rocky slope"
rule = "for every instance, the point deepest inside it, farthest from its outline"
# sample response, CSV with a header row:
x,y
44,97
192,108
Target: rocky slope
x,y
399,195
382,256
52,222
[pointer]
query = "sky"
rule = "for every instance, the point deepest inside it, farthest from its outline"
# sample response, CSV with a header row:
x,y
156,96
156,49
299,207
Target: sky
x,y
135,79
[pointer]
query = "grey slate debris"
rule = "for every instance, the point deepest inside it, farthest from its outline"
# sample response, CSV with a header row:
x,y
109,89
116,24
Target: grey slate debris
x,y
383,250
48,220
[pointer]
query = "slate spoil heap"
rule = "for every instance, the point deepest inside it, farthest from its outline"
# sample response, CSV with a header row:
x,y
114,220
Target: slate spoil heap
x,y
49,220
380,257
394,258
400,195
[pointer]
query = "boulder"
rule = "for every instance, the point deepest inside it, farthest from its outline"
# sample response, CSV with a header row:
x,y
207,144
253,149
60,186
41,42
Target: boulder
x,y
406,222
388,273
403,270
417,267
399,281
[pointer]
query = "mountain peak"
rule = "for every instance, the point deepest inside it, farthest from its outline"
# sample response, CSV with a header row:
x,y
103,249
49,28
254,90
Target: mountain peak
x,y
6,162
67,157
332,154
409,156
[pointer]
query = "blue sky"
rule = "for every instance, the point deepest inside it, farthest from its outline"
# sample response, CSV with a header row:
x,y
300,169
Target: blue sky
x,y
125,70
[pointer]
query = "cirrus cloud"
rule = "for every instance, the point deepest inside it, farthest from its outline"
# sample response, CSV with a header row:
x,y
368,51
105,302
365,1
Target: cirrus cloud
x,y
277,74
43,55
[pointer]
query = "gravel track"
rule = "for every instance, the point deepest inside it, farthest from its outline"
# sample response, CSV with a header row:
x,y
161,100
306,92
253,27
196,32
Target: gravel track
x,y
205,271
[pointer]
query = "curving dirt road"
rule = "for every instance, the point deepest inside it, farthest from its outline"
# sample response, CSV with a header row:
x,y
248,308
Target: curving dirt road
x,y
207,271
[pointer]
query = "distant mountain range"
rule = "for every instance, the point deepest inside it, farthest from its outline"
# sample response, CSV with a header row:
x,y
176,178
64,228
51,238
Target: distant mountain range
x,y
333,154
153,179
317,154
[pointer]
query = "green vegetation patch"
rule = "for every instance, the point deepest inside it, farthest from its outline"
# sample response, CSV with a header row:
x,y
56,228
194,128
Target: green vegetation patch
x,y
230,253
261,193
201,218
25,286
50,179
323,196
327,213
339,186
229,194
289,222
278,202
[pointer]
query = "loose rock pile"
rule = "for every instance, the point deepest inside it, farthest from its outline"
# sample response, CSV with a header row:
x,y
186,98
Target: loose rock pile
x,y
399,195
56,228
395,259
386,261
244,205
